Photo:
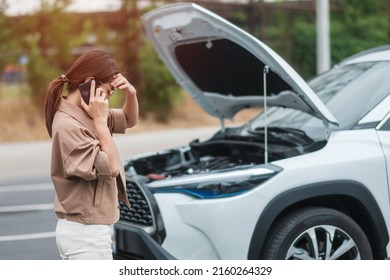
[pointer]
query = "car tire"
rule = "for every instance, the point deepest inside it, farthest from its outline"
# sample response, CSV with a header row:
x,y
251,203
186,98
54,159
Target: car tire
x,y
317,234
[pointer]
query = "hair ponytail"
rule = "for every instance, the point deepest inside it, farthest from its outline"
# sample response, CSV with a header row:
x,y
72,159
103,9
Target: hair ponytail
x,y
52,100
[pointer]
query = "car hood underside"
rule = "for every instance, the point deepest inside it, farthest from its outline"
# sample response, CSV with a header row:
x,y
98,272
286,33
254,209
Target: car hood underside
x,y
224,68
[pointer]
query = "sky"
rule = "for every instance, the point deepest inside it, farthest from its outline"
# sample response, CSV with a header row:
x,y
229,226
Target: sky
x,y
21,7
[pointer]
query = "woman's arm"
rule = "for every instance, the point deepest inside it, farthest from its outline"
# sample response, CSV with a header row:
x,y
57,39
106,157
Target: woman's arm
x,y
98,111
130,107
107,145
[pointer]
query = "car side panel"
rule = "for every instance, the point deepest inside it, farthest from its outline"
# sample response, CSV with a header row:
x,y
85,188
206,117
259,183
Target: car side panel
x,y
323,189
384,136
354,157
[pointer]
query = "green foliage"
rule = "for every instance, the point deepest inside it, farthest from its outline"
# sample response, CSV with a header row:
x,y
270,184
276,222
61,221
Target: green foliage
x,y
293,36
55,29
361,25
8,46
358,26
40,72
239,16
303,50
45,37
159,92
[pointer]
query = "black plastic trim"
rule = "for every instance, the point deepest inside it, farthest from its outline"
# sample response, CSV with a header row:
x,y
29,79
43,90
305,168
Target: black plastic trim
x,y
368,125
134,243
159,234
385,126
289,198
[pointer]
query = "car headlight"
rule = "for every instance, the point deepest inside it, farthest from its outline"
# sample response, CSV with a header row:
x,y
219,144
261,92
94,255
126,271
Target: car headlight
x,y
216,185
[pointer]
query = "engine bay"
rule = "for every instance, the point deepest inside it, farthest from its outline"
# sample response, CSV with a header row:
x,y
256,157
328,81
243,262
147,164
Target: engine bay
x,y
224,151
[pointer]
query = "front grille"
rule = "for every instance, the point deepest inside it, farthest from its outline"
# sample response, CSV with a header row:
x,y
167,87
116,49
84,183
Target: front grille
x,y
140,212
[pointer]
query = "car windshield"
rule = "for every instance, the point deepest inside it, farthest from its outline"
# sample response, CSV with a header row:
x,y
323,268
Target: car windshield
x,y
348,91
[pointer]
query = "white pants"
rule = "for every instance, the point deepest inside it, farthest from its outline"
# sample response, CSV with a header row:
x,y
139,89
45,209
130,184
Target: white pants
x,y
77,241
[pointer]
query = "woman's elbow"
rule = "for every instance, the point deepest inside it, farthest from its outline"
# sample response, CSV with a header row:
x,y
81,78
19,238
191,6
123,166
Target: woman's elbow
x,y
114,172
132,122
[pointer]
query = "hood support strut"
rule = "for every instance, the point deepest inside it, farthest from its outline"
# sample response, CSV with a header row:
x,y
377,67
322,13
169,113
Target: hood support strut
x,y
222,120
265,72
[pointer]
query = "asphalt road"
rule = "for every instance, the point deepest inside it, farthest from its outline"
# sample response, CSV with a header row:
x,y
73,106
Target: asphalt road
x,y
27,221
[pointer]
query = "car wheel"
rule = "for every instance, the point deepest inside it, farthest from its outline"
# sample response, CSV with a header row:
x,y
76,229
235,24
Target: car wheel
x,y
317,234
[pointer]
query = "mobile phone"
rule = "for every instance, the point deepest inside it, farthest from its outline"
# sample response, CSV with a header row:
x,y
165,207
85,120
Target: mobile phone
x,y
85,89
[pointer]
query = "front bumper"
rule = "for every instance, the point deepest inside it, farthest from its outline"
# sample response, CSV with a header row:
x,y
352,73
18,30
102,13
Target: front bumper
x,y
135,243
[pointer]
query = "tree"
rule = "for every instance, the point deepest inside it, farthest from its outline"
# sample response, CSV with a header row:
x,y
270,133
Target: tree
x,y
46,38
361,25
9,46
354,26
157,90
160,93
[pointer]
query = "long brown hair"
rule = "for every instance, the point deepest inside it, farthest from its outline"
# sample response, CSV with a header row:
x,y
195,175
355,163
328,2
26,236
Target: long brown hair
x,y
95,63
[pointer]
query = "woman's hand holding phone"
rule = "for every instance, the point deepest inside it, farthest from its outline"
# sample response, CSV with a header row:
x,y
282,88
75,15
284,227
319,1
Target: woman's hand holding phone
x,y
97,107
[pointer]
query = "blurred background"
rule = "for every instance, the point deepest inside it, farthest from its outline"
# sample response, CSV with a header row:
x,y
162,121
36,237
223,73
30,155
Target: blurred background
x,y
40,38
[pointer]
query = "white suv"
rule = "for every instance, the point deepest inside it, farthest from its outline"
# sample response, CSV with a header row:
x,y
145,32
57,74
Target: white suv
x,y
308,178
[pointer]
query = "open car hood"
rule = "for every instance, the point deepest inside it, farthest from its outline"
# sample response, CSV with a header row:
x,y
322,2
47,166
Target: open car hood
x,y
224,68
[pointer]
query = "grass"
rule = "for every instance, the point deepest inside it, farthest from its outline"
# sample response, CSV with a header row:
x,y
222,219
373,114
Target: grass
x,y
21,121
13,90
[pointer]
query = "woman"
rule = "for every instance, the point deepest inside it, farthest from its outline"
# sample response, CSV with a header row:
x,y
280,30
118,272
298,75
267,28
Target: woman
x,y
86,169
